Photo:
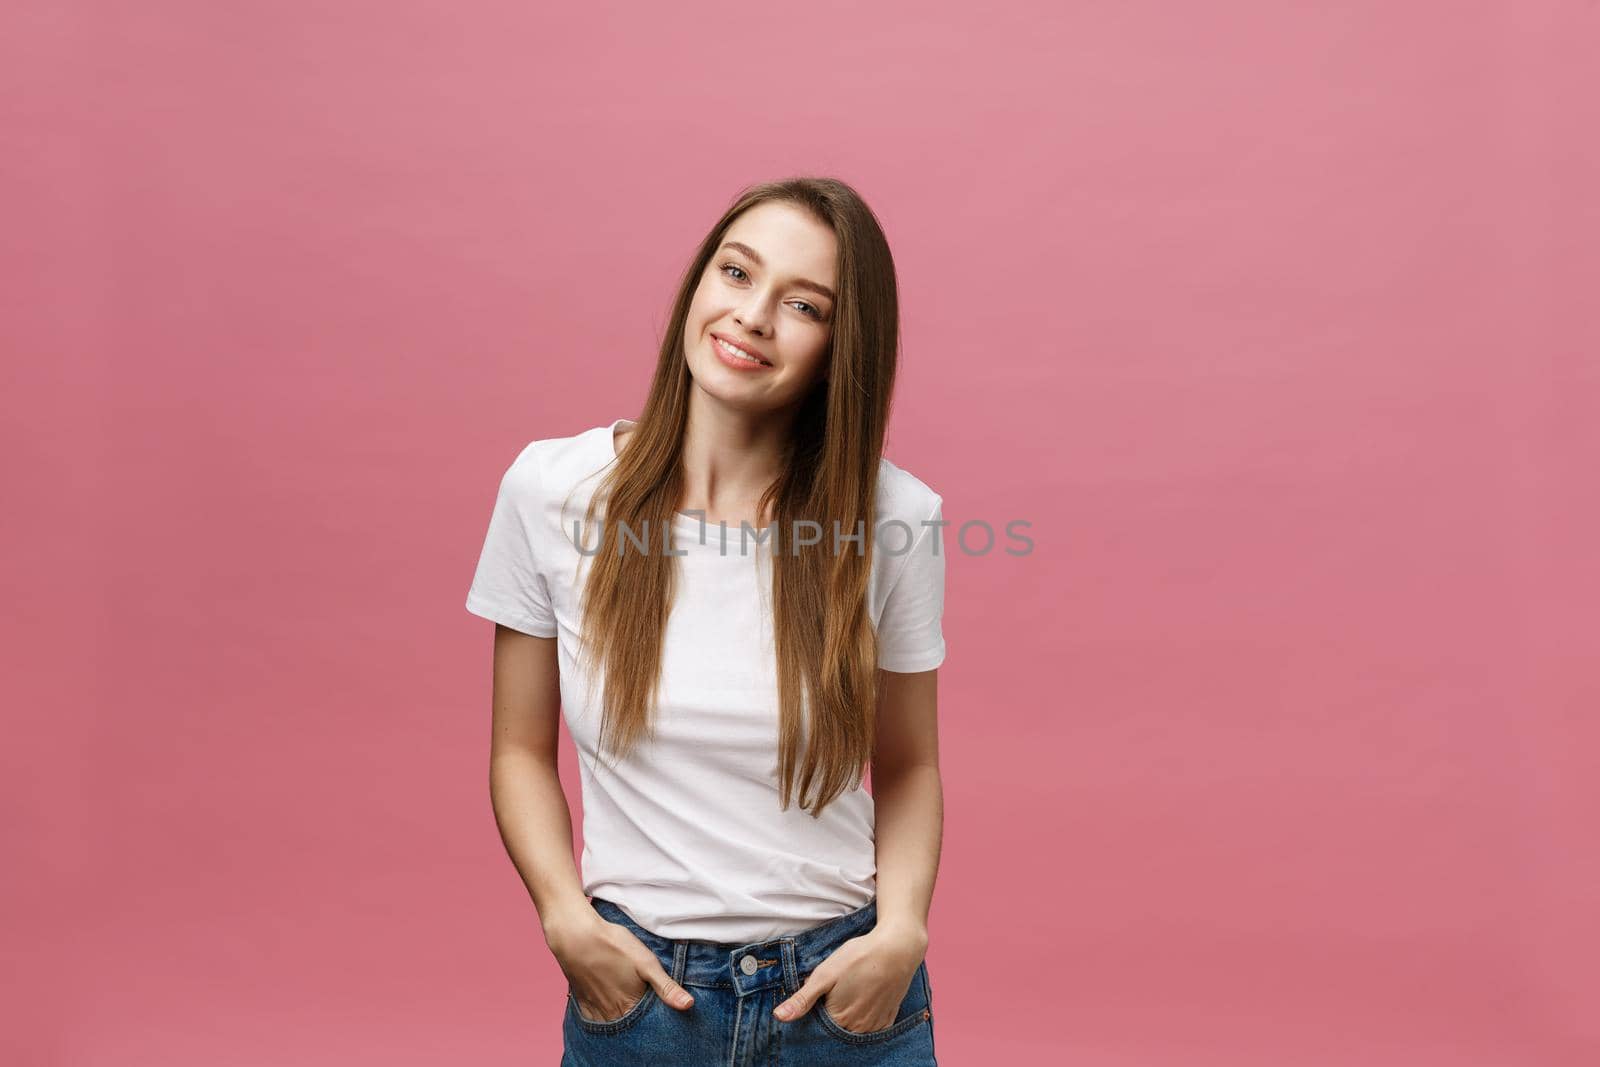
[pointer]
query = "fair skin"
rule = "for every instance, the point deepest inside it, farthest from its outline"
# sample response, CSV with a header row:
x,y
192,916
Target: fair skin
x,y
755,292
760,290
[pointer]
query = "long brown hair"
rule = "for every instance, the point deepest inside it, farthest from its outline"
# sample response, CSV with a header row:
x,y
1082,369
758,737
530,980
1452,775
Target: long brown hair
x,y
825,643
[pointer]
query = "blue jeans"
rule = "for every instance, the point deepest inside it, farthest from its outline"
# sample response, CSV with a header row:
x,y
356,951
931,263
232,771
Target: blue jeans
x,y
735,988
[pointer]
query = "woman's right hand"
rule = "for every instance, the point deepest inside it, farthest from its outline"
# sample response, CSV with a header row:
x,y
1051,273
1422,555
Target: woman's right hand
x,y
608,969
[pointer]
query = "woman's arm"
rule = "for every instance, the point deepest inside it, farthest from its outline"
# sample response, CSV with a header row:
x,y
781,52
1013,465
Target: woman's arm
x,y
603,961
524,781
909,801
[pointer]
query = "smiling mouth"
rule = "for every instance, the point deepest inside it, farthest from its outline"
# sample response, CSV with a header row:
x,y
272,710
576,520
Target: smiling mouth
x,y
738,353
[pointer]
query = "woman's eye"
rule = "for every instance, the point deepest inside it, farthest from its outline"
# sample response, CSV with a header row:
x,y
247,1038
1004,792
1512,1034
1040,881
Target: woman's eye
x,y
739,276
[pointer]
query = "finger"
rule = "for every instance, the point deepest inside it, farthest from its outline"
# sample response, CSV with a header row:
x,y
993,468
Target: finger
x,y
670,992
803,998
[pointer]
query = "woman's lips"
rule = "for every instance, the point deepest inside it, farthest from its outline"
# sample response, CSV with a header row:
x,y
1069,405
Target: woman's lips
x,y
736,362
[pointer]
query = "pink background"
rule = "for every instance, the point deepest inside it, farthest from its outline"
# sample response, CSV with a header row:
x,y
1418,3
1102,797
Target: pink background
x,y
1280,748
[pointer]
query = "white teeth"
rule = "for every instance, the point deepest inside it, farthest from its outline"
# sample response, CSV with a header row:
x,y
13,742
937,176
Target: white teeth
x,y
734,352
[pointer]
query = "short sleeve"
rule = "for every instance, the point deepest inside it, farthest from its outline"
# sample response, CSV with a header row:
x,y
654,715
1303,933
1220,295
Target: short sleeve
x,y
509,586
911,628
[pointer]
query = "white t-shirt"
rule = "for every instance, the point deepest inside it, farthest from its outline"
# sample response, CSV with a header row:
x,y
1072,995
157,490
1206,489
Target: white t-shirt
x,y
686,835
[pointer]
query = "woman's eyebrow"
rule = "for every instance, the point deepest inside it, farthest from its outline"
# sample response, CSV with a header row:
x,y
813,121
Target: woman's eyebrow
x,y
799,283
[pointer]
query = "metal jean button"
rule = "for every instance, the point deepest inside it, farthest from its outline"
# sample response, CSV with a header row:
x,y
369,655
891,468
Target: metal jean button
x,y
748,965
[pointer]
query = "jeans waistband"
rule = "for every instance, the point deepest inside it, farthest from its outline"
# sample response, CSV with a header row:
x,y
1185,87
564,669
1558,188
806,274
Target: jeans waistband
x,y
756,965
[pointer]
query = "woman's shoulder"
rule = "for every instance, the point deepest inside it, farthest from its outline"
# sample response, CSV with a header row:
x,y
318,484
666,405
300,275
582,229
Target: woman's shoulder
x,y
555,464
904,496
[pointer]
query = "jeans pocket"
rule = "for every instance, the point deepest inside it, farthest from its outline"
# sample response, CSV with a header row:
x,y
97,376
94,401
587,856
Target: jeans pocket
x,y
611,1026
915,1009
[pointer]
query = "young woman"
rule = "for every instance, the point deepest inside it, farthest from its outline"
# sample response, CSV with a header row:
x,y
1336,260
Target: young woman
x,y
735,601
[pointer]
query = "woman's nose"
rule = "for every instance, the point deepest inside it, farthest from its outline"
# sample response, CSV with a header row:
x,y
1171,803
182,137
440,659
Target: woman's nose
x,y
752,318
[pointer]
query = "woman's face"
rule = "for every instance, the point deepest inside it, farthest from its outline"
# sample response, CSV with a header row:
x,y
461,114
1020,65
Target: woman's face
x,y
768,289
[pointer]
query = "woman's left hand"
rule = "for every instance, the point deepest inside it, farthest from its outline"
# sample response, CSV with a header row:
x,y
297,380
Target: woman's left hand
x,y
864,980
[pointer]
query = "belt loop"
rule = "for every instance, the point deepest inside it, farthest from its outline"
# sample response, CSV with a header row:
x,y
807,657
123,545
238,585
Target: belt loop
x,y
680,953
791,974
